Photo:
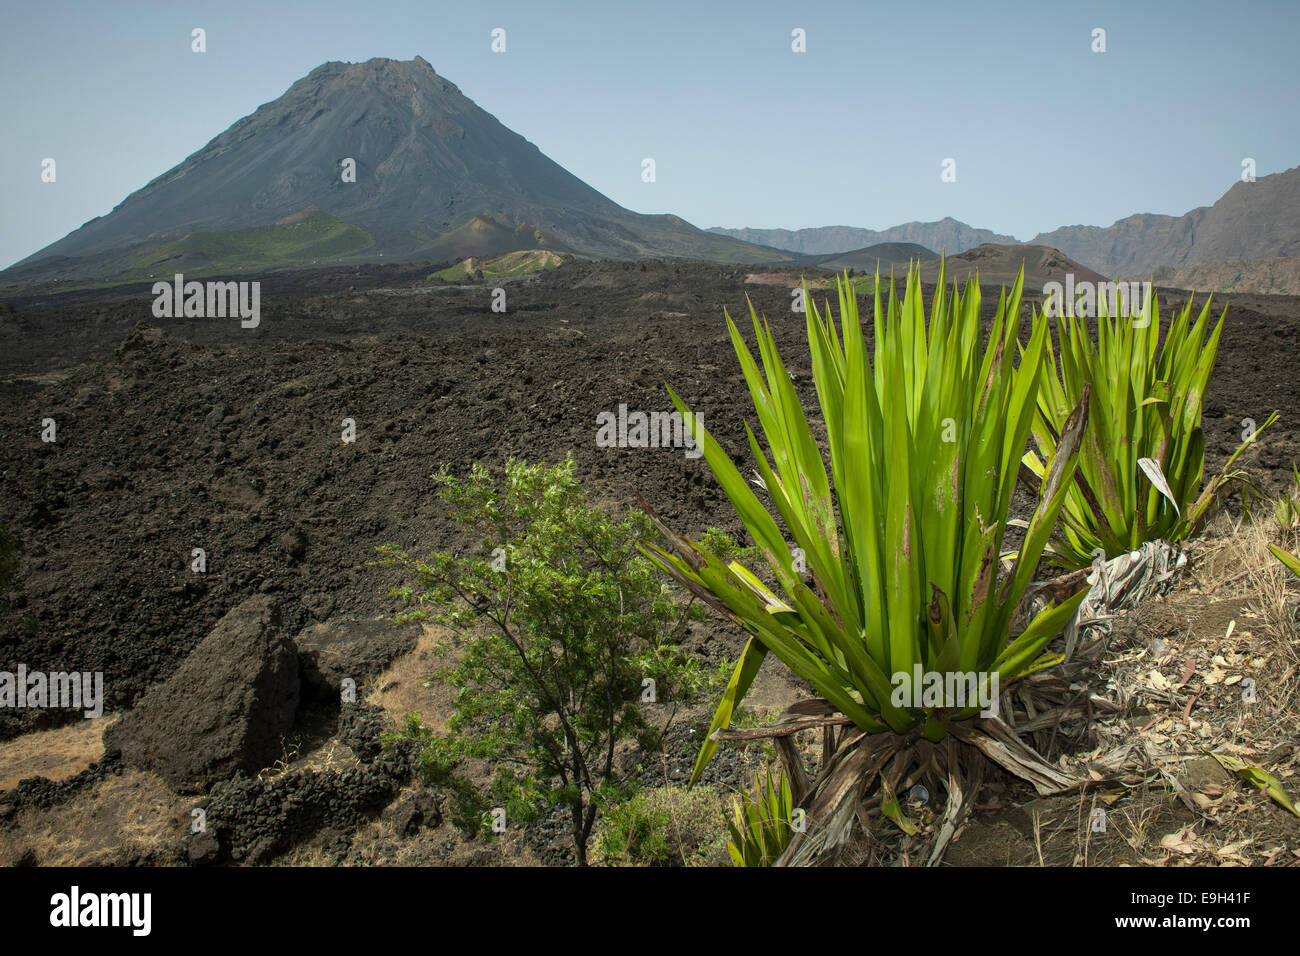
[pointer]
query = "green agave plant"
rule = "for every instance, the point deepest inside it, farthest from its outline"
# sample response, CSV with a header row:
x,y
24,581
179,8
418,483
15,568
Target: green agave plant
x,y
1140,474
903,535
761,826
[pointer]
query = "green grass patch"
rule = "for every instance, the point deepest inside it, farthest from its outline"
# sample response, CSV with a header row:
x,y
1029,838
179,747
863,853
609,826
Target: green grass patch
x,y
666,826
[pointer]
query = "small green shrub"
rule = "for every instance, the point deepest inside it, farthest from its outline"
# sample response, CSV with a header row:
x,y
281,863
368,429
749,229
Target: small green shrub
x,y
567,634
666,826
1286,509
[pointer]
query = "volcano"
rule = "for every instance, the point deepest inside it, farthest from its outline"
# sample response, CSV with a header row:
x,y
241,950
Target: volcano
x,y
377,161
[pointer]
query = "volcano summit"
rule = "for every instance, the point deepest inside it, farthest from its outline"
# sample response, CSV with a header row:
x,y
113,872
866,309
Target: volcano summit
x,y
382,160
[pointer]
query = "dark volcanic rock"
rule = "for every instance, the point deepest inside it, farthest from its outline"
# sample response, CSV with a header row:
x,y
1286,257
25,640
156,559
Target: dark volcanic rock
x,y
43,793
252,821
224,709
330,652
359,728
202,848
410,814
293,543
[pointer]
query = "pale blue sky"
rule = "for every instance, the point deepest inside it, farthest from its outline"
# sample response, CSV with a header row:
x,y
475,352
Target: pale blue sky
x,y
744,132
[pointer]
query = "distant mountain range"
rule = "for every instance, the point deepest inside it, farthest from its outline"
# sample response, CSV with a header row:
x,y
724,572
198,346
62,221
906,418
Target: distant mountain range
x,y
881,256
1278,275
997,264
946,235
436,178
1250,221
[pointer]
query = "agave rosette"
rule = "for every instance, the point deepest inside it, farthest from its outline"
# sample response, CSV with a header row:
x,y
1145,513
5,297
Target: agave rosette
x,y
761,825
902,537
1141,471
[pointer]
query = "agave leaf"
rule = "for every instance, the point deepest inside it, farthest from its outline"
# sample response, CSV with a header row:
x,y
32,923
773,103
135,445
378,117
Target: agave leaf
x,y
890,808
1199,511
771,602
751,659
1151,468
1261,778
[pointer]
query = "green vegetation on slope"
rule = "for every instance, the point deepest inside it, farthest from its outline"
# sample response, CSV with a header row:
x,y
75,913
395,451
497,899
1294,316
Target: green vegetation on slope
x,y
314,236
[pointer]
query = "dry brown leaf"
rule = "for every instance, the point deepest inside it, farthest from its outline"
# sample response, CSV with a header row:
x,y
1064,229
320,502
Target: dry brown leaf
x,y
1179,842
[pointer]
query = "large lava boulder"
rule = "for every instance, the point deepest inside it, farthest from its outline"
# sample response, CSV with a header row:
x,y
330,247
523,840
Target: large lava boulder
x,y
225,709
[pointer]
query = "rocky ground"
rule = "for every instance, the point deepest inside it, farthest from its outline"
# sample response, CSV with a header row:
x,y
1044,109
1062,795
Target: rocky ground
x,y
176,435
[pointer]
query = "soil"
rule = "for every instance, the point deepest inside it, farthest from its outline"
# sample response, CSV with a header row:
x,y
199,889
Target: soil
x,y
180,434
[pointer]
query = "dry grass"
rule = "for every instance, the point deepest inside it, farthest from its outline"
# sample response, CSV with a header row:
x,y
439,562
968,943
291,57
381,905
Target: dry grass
x,y
401,688
56,754
133,813
1209,667
1240,564
377,844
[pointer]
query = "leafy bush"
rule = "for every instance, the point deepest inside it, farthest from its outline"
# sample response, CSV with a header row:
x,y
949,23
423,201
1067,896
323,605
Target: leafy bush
x,y
566,631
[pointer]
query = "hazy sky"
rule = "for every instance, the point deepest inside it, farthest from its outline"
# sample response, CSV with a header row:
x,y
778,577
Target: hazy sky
x,y
744,131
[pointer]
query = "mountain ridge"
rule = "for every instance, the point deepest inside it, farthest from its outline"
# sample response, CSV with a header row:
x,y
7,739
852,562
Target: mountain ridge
x,y
946,233
1256,220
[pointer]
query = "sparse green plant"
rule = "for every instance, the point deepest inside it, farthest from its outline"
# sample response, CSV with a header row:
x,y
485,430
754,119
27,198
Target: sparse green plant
x,y
1286,509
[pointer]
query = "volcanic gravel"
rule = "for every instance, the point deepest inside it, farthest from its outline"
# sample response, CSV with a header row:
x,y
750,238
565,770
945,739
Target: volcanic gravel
x,y
174,435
